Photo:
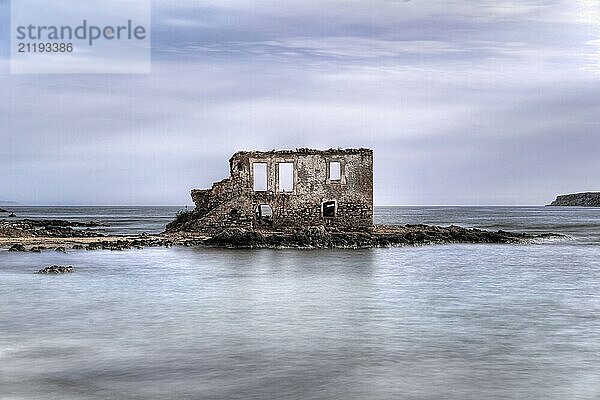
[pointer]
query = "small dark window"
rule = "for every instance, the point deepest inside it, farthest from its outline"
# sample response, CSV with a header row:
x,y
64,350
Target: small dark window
x,y
264,216
335,171
329,209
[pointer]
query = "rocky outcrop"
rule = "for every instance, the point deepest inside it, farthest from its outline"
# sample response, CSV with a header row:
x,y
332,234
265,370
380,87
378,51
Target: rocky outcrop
x,y
380,236
589,199
2,210
17,248
47,228
37,236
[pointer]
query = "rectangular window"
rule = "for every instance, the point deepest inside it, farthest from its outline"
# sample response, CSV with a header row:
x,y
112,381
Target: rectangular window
x,y
259,171
335,171
286,177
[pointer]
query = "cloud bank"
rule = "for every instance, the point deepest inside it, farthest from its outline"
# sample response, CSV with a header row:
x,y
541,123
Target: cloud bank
x,y
488,102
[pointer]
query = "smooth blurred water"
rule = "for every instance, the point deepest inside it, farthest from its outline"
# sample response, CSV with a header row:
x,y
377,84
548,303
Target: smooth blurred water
x,y
436,322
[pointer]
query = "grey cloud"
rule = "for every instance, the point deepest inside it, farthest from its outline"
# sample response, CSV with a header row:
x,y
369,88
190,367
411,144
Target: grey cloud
x,y
464,102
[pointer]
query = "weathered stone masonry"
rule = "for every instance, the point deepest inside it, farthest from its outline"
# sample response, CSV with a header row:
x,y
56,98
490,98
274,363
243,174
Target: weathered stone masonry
x,y
333,188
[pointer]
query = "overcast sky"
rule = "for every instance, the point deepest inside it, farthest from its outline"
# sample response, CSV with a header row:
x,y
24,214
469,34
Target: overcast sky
x,y
464,102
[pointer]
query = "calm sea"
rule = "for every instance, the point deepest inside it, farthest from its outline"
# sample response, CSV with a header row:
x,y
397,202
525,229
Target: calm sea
x,y
436,322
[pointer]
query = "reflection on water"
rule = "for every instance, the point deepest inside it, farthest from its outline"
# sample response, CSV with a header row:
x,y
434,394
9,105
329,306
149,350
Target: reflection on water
x,y
451,322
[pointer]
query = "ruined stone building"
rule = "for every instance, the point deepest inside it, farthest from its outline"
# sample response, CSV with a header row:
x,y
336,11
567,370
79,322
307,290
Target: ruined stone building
x,y
285,190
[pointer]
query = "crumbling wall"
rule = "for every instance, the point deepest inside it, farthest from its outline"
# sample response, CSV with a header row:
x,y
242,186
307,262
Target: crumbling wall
x,y
233,202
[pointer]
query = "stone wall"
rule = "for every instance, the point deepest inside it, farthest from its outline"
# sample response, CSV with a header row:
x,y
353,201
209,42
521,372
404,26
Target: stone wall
x,y
233,202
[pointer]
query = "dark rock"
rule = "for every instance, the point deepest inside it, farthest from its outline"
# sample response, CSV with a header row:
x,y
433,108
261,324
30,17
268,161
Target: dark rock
x,y
45,228
2,210
60,250
36,249
77,247
182,219
380,236
588,199
55,269
18,248
237,238
94,246
12,215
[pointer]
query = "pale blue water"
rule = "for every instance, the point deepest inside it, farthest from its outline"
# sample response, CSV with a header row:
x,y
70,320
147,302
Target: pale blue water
x,y
438,322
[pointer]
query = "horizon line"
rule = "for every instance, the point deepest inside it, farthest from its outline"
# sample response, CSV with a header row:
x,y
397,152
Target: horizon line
x,y
191,205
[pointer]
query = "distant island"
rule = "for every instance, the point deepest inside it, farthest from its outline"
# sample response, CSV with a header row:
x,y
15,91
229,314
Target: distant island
x,y
588,199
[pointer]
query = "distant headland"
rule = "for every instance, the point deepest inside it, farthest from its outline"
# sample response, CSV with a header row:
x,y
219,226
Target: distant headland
x,y
587,199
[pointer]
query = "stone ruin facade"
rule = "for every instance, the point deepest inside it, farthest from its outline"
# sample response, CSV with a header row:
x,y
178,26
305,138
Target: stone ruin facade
x,y
286,190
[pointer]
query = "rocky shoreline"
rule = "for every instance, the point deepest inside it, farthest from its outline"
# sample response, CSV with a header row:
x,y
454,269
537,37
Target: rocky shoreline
x,y
57,235
380,236
48,228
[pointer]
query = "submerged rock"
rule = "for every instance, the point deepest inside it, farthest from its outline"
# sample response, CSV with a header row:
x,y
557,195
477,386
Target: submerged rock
x,y
95,224
12,215
56,269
